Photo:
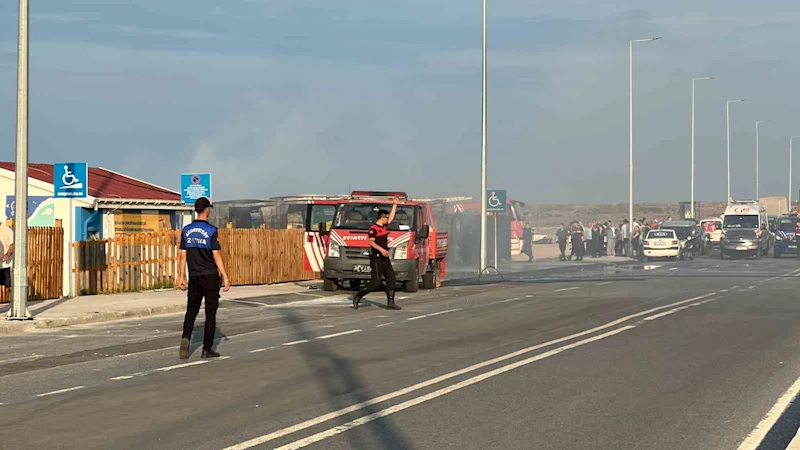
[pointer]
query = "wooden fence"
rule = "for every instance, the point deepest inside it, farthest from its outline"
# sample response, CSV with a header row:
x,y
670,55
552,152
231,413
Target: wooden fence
x,y
150,260
45,264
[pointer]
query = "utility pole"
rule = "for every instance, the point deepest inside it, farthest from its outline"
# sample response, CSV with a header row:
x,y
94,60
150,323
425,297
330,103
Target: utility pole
x,y
19,307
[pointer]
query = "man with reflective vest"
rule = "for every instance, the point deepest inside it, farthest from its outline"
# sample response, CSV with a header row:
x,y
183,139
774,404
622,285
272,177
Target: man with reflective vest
x,y
379,258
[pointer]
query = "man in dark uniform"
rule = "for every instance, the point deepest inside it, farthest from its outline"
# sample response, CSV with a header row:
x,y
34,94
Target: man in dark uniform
x,y
200,251
527,241
379,259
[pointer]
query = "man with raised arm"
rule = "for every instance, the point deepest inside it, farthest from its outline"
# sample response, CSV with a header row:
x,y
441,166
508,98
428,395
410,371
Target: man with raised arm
x,y
379,259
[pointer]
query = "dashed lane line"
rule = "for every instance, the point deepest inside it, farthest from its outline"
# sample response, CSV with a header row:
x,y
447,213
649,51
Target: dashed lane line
x,y
343,333
433,314
567,289
302,341
60,391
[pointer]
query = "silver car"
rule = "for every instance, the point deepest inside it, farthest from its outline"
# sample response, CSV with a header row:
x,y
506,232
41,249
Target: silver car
x,y
742,242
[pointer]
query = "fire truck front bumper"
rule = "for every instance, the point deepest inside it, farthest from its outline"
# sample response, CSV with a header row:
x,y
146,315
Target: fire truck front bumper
x,y
341,269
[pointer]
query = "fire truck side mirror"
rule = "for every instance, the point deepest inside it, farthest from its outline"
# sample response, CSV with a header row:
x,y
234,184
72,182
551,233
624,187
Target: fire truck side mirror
x,y
423,232
323,228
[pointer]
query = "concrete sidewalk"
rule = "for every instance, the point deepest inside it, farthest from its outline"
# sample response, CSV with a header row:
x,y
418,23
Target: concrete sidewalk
x,y
101,308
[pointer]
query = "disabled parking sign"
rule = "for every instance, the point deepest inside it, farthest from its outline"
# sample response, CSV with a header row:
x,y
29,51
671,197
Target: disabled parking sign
x,y
496,201
194,186
70,180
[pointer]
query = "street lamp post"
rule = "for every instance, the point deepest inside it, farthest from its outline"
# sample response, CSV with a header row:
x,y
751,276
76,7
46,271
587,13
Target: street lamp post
x,y
483,149
758,122
728,139
691,195
791,139
630,140
19,309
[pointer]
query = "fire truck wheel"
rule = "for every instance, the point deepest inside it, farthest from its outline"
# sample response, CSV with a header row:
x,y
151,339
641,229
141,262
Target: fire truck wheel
x,y
329,285
412,285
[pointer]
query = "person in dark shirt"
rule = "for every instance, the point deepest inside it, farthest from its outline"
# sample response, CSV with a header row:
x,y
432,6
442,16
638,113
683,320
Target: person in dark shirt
x,y
379,259
527,241
577,242
561,237
200,252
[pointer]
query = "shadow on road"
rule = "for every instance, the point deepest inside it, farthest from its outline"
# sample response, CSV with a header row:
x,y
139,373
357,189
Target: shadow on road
x,y
343,386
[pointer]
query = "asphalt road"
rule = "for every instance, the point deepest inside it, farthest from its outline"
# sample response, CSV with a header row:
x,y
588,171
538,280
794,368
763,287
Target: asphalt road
x,y
664,355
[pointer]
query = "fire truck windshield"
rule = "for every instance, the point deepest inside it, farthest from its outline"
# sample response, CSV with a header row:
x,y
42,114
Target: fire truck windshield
x,y
360,216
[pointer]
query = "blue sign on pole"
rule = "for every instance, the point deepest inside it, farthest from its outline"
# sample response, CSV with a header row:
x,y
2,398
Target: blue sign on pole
x,y
496,201
70,180
194,186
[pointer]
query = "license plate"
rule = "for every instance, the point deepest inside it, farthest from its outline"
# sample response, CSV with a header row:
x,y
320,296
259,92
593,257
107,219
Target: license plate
x,y
741,247
362,269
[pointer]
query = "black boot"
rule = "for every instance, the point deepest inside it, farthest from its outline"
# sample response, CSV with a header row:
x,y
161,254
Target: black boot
x,y
391,304
356,301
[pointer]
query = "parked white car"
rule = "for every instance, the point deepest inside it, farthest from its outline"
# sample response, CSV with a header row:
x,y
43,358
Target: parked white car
x,y
662,244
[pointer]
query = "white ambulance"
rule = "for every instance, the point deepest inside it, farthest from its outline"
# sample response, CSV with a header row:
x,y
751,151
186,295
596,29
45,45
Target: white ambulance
x,y
744,230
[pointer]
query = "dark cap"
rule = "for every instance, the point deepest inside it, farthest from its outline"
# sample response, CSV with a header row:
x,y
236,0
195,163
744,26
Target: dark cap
x,y
201,204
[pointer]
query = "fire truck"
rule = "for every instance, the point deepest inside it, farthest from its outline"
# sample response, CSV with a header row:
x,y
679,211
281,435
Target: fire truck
x,y
417,248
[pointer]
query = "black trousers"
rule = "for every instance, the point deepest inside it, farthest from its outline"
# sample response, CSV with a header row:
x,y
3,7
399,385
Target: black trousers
x,y
202,287
562,245
381,269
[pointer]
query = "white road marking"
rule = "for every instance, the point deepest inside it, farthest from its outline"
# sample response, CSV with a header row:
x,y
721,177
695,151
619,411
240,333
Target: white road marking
x,y
295,342
604,283
567,289
515,299
259,350
703,269
529,296
666,313
760,432
343,333
262,305
358,406
433,314
61,391
751,287
384,325
674,268
444,391
180,366
124,377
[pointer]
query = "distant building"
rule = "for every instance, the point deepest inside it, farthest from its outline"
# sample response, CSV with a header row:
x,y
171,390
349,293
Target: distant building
x,y
116,205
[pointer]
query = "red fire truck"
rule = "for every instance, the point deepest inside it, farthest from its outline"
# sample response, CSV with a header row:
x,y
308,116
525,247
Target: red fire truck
x,y
417,248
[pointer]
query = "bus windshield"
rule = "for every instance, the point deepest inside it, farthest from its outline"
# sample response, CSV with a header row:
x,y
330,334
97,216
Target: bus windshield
x,y
360,216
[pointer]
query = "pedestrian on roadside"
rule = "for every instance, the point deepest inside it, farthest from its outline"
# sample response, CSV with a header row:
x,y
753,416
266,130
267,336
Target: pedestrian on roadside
x,y
588,238
611,239
577,242
626,237
597,240
635,239
200,252
7,250
645,228
379,259
527,241
561,237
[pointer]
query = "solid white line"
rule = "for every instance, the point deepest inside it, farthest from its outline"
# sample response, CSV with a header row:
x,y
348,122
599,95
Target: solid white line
x,y
61,391
295,342
665,313
604,283
383,325
424,398
343,333
433,314
124,377
674,268
760,432
179,366
794,445
567,289
344,411
703,269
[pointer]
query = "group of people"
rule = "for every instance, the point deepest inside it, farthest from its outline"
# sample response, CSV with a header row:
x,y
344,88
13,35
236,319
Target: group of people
x,y
604,239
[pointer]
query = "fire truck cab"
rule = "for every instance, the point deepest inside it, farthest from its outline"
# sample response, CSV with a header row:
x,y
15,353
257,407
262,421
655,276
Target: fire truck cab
x,y
416,247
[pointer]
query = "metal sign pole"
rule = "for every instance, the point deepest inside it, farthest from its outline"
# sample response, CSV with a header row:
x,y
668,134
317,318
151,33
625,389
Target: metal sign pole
x,y
19,308
496,264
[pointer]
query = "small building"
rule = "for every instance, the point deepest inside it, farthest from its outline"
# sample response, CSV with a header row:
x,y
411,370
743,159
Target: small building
x,y
116,205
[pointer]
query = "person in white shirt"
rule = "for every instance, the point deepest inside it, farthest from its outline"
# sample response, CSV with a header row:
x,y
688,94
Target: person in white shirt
x,y
7,250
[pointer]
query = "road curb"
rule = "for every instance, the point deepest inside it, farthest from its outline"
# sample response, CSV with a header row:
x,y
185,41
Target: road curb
x,y
107,316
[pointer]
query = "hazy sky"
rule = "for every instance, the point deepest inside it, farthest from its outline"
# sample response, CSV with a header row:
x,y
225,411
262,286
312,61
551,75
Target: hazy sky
x,y
280,97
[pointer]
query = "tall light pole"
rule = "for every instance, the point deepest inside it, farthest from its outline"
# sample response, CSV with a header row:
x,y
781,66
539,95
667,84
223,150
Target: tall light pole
x,y
758,122
691,195
630,140
483,149
19,308
728,139
791,139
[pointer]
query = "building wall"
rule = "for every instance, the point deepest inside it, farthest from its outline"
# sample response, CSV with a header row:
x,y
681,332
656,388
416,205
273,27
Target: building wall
x,y
62,212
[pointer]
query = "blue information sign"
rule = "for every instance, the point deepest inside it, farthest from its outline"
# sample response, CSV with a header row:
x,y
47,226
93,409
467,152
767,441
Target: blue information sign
x,y
194,186
496,201
70,180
